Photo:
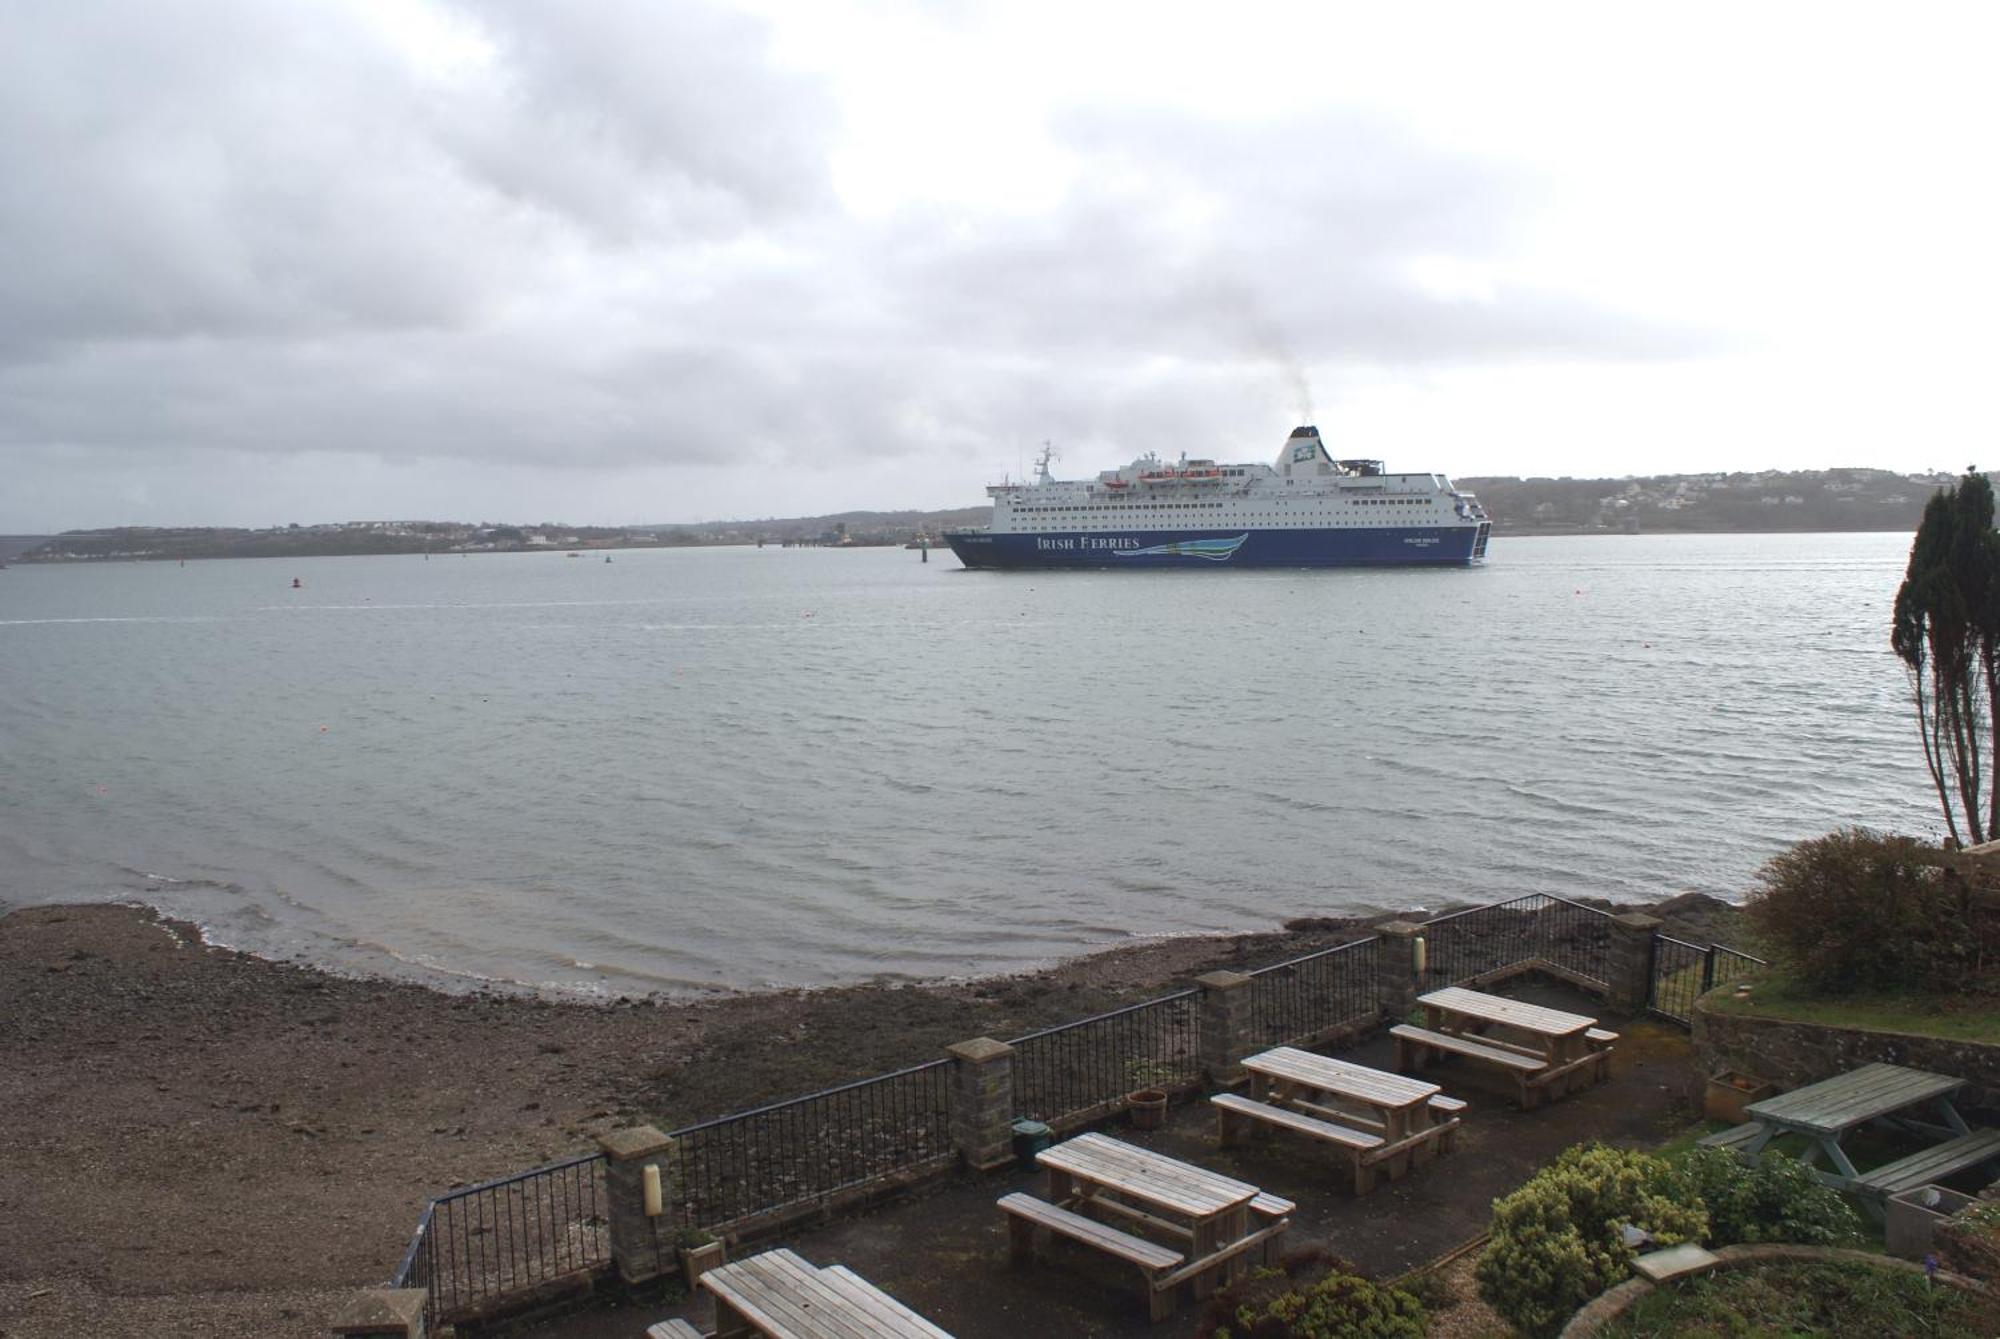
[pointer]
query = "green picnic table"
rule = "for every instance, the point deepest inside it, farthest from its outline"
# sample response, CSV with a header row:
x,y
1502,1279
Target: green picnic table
x,y
1881,1094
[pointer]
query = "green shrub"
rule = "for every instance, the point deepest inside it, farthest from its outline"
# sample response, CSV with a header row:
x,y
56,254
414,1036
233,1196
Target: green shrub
x,y
1779,1199
1856,910
1313,1296
1557,1240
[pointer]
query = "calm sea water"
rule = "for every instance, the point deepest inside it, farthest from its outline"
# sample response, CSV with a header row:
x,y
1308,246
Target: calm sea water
x,y
736,768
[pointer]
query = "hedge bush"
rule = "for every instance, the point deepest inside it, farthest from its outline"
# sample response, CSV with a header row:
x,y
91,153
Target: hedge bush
x,y
1779,1199
1857,910
1557,1241
1312,1296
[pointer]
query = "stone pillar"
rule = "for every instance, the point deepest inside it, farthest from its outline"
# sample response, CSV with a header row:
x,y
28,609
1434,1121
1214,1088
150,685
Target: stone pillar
x,y
982,1102
1396,968
1225,1026
383,1313
642,1248
1628,969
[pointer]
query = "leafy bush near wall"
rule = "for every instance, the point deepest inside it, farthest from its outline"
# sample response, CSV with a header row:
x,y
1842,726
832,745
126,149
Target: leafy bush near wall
x,y
1312,1296
1858,910
1558,1241
1779,1199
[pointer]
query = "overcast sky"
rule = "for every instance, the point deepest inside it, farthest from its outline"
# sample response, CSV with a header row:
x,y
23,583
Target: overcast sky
x,y
654,260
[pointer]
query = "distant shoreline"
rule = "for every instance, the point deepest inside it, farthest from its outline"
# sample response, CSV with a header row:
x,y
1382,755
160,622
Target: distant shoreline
x,y
1500,532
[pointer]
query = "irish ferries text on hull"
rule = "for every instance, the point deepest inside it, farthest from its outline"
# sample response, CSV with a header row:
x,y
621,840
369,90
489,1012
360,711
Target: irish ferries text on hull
x,y
1307,510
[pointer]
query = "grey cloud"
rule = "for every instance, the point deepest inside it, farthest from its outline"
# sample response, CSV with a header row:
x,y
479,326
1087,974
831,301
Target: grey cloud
x,y
257,229
1315,225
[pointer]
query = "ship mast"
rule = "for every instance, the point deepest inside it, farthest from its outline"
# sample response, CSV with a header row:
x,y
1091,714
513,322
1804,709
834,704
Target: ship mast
x,y
1042,462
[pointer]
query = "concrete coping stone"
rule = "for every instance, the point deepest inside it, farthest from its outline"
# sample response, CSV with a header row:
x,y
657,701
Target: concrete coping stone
x,y
1399,929
1674,1261
1638,920
638,1141
1223,980
979,1050
382,1311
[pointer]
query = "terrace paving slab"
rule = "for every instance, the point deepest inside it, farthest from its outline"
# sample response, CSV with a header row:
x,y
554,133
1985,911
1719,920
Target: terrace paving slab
x,y
943,1250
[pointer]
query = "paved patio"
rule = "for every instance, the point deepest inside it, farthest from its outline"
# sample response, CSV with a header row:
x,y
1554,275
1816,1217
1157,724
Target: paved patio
x,y
944,1250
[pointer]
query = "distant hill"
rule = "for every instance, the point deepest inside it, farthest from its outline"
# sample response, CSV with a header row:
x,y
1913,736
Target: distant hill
x,y
1836,499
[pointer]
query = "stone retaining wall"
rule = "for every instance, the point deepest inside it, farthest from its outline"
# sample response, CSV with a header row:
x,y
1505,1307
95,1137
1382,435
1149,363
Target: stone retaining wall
x,y
1609,1306
1792,1054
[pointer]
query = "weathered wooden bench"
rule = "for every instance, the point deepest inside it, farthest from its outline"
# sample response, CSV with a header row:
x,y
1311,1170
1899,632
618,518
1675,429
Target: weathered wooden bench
x,y
1451,1108
673,1329
1600,1042
1412,1041
1026,1215
1273,1211
1366,1151
1931,1164
1232,1111
1736,1138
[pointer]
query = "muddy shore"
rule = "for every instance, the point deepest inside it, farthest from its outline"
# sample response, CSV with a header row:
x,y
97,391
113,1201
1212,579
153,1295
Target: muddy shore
x,y
196,1141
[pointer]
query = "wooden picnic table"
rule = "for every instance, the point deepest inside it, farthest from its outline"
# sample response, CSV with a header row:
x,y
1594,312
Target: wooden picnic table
x,y
1556,1034
1828,1111
1395,1105
782,1296
1545,1051
1208,1211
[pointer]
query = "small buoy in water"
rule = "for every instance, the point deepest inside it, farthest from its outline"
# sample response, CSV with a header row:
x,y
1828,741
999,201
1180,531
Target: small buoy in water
x,y
295,584
322,729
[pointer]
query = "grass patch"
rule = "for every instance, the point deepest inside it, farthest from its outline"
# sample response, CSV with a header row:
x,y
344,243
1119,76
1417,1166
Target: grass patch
x,y
1954,1017
1828,1301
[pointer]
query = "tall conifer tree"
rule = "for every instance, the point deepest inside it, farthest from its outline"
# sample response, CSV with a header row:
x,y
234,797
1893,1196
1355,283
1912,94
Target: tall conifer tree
x,y
1947,634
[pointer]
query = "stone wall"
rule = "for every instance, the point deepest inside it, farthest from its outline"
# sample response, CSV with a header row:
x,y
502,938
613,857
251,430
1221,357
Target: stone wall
x,y
1794,1054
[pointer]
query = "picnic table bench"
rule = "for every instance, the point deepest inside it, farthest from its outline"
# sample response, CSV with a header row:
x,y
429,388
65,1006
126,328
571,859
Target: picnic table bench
x,y
1213,1221
782,1296
1894,1096
1382,1122
1543,1050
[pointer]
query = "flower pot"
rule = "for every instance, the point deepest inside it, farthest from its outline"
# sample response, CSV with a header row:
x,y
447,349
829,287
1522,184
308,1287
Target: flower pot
x,y
1148,1107
1030,1138
1910,1219
1729,1093
698,1260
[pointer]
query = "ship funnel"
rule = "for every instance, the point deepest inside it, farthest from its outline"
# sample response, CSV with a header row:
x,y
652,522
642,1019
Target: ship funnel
x,y
1303,453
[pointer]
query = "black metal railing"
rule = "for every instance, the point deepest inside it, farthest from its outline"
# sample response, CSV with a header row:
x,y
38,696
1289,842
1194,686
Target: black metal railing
x,y
1684,972
509,1236
808,1148
1069,1072
1307,997
1538,928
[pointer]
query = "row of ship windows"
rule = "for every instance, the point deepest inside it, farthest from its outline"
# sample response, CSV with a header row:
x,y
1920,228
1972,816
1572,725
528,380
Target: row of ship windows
x,y
1060,527
1191,506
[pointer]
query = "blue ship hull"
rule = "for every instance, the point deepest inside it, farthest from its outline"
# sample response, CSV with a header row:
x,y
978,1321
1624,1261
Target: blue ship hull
x,y
1413,546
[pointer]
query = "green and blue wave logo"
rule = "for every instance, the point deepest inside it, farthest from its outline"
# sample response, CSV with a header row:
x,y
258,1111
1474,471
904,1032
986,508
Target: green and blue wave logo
x,y
1214,550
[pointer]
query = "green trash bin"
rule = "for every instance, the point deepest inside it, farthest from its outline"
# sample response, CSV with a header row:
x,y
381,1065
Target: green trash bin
x,y
1030,1138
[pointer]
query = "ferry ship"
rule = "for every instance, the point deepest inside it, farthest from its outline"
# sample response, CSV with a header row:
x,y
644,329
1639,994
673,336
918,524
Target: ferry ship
x,y
1306,510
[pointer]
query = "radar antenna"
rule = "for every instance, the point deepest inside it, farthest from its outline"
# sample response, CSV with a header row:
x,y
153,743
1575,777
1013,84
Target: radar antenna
x,y
1042,462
